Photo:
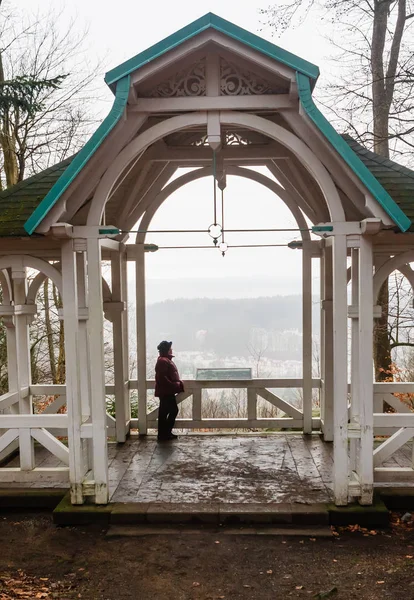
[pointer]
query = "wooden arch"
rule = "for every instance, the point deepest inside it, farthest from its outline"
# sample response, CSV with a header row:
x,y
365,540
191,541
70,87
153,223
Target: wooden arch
x,y
32,262
6,287
136,147
206,172
394,263
40,278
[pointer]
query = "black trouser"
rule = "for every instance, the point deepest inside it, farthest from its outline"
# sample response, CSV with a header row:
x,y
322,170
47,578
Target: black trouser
x,y
167,413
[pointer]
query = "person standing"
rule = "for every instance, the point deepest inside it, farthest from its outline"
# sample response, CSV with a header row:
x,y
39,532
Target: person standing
x,y
167,385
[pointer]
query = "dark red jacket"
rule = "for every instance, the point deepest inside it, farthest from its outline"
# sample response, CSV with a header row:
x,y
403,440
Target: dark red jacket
x,y
167,379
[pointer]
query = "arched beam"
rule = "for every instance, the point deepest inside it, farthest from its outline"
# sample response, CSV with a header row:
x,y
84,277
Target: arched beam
x,y
149,195
408,273
235,171
40,278
394,263
182,122
6,287
32,262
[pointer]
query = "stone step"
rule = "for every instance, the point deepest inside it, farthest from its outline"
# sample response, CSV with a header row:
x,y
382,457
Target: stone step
x,y
221,514
285,531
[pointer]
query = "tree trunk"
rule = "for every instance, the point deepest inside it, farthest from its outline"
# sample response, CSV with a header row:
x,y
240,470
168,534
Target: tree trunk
x,y
49,332
61,371
381,108
382,344
8,143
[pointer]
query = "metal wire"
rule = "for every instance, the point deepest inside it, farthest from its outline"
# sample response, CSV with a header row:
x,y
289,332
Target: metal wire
x,y
206,230
215,248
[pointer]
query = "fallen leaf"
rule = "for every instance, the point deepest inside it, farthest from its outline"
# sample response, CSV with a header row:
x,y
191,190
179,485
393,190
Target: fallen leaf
x,y
299,587
216,542
246,586
269,571
409,556
196,584
380,582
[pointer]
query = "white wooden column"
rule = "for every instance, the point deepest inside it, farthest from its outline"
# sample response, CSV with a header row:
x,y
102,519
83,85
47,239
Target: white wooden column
x,y
322,335
12,376
77,467
97,366
119,317
355,384
23,365
327,345
83,352
366,371
307,336
340,369
85,375
141,339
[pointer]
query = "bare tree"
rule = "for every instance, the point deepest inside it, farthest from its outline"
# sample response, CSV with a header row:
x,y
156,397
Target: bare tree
x,y
45,82
372,95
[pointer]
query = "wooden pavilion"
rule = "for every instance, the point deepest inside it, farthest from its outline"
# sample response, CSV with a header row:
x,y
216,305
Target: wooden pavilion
x,y
220,100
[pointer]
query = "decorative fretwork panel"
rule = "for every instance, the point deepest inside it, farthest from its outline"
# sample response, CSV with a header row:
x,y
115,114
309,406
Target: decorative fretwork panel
x,y
187,82
238,81
231,138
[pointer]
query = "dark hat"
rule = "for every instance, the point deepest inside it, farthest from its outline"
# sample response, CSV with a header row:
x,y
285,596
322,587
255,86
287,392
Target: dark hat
x,y
164,346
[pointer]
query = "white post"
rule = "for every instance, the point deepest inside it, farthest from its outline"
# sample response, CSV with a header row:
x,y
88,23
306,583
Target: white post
x,y
23,371
12,377
97,366
77,468
251,404
141,340
118,326
354,443
322,335
366,373
83,352
327,346
307,337
340,370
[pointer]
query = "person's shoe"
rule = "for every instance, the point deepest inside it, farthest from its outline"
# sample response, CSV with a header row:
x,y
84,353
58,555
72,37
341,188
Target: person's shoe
x,y
172,436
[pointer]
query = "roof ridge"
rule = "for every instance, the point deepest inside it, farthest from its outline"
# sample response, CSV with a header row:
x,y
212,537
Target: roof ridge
x,y
24,182
384,161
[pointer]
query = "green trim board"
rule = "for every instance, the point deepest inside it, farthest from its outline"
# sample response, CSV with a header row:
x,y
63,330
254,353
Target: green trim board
x,y
77,164
343,149
210,20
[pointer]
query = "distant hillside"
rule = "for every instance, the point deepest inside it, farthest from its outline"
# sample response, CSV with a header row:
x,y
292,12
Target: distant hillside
x,y
229,327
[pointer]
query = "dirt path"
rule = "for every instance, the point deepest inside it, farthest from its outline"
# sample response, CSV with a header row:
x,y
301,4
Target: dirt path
x,y
38,560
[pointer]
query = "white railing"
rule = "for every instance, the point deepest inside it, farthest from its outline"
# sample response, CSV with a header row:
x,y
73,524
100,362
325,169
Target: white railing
x,y
256,388
399,426
19,431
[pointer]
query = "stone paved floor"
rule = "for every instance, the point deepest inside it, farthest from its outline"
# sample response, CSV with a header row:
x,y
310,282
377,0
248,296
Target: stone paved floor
x,y
227,468
218,468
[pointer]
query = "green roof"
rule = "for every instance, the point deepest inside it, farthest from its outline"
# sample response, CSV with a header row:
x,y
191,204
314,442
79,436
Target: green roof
x,y
371,182
306,73
212,21
19,201
397,180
